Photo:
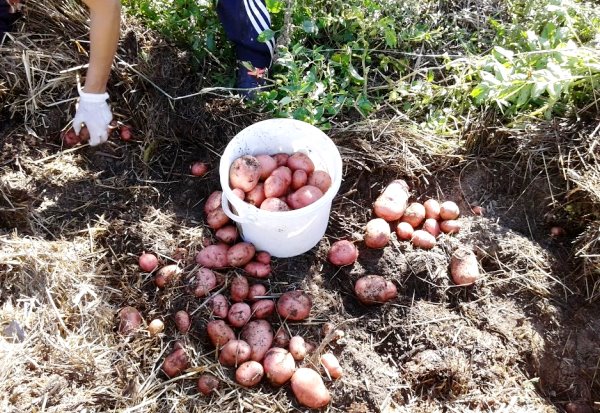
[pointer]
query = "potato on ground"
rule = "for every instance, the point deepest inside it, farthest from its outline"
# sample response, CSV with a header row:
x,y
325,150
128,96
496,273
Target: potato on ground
x,y
244,173
299,160
304,196
432,226
249,374
213,256
309,389
219,306
239,314
256,290
404,231
281,338
262,309
297,347
320,179
219,333
156,327
432,209
377,233
294,305
342,252
217,218
199,168
414,214
182,321
451,226
234,353
259,334
279,366
239,288
267,165
213,201
203,282
207,384
332,365
175,363
130,320
392,202
258,269
227,234
263,257
166,275
374,289
423,239
148,262
240,254
449,210
463,267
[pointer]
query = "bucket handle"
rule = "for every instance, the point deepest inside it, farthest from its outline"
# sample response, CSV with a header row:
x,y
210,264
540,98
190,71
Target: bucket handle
x,y
249,218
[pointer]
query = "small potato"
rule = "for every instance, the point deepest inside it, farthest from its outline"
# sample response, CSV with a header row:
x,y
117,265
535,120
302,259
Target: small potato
x,y
414,214
244,173
219,306
423,239
263,257
239,288
207,384
167,275
130,320
274,187
125,133
213,202
281,158
239,314
478,210
451,226
304,196
217,218
156,327
281,338
263,309
374,289
294,305
219,333
449,210
267,165
332,365
258,269
256,195
182,321
321,180
240,254
392,202
70,138
148,262
284,173
463,267
298,348
256,290
309,389
239,193
175,363
274,205
342,252
213,256
234,353
259,334
299,179
227,234
279,366
299,160
377,233
249,373
203,282
432,226
199,168
404,231
432,209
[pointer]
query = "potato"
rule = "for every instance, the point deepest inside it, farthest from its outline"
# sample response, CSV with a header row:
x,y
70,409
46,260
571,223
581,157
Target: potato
x,y
148,262
557,232
239,288
432,226
207,384
463,267
249,374
423,239
281,338
432,209
239,193
392,202
70,138
304,196
156,327
258,269
182,321
321,180
239,314
219,306
244,173
263,257
342,252
213,202
299,160
332,365
227,234
234,353
299,179
256,290
374,289
281,158
199,168
377,233
478,210
294,305
449,210
404,231
125,133
213,256
217,218
130,320
309,389
166,275
279,366
240,254
267,165
203,282
451,226
259,334
274,205
256,195
414,214
298,348
219,333
284,173
263,309
175,363
274,187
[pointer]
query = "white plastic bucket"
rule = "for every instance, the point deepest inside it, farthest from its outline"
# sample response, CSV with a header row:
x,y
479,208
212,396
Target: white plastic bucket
x,y
289,233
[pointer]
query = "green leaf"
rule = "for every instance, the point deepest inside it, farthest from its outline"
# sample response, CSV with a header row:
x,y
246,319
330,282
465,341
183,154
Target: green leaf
x,y
524,95
266,35
275,6
390,37
310,27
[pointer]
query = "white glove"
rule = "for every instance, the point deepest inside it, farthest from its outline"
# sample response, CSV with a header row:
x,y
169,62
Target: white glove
x,y
95,113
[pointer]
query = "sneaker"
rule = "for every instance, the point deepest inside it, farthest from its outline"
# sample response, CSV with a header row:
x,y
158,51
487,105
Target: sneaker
x,y
248,80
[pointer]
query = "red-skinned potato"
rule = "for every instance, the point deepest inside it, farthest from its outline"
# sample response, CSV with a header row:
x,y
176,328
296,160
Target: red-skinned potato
x,y
217,218
148,262
274,187
219,306
449,210
167,275
203,282
279,366
267,165
219,333
332,365
478,210
227,234
432,209
342,252
262,309
239,314
298,348
263,257
320,179
207,384
234,353
259,334
156,327
84,134
294,305
299,160
70,138
284,173
281,158
240,254
175,363
304,196
244,173
213,201
432,226
274,205
423,239
182,321
256,290
213,256
239,193
463,267
199,168
404,231
414,214
258,269
299,179
239,288
256,195
377,233
374,289
249,374
130,320
281,338
392,202
309,389
125,133
451,226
